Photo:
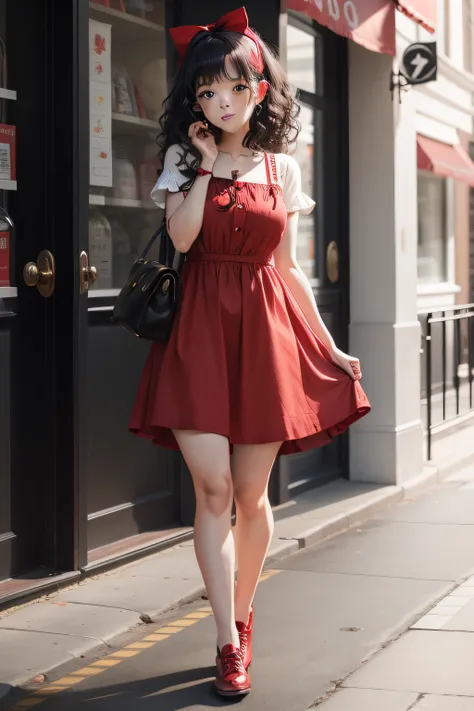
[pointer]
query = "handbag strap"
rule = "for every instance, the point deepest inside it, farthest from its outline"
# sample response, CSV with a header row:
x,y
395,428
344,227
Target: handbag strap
x,y
151,242
168,255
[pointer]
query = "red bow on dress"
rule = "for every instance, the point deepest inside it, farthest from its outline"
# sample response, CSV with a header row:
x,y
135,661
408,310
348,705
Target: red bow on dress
x,y
235,21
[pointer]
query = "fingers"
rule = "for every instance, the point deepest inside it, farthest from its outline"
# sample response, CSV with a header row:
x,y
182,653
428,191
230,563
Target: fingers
x,y
197,127
356,371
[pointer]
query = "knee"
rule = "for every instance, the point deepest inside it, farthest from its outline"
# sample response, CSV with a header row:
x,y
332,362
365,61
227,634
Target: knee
x,y
249,503
215,492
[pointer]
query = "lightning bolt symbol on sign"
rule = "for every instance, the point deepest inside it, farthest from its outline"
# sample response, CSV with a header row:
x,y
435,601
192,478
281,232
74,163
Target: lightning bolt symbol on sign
x,y
419,63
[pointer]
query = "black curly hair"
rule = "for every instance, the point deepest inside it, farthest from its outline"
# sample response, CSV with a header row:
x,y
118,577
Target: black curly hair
x,y
274,129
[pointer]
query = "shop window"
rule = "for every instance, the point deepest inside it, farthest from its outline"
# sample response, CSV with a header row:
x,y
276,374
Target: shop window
x,y
127,87
432,238
301,58
304,72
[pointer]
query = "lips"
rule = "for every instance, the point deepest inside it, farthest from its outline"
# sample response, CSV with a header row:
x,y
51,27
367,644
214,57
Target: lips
x,y
226,117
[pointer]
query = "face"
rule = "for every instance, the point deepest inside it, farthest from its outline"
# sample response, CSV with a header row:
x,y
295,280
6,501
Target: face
x,y
229,103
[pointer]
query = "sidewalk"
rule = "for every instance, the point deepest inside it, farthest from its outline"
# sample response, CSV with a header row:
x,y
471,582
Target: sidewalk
x,y
82,620
318,615
430,667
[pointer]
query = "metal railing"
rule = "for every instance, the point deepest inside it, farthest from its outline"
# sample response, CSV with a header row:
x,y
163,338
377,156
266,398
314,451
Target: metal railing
x,y
447,367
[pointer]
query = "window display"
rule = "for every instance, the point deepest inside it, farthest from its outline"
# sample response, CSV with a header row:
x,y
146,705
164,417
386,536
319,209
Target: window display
x,y
8,176
302,54
432,237
127,89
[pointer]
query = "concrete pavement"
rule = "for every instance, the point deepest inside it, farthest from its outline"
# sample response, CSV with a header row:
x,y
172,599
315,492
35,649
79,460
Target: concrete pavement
x,y
373,619
37,638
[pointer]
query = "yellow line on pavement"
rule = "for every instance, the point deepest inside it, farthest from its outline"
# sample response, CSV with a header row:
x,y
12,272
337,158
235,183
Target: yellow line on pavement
x,y
120,655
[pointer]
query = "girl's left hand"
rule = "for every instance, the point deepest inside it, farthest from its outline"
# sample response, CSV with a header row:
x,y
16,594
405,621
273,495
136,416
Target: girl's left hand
x,y
349,364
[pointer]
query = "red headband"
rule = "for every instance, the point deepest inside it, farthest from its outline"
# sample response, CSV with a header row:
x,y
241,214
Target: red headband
x,y
235,21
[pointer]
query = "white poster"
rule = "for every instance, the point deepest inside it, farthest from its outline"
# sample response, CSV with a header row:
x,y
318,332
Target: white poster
x,y
100,103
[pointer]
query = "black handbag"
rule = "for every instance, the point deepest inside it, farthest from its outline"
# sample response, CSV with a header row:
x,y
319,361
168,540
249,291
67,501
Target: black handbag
x,y
148,302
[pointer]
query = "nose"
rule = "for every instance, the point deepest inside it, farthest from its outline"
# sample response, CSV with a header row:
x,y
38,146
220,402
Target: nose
x,y
225,102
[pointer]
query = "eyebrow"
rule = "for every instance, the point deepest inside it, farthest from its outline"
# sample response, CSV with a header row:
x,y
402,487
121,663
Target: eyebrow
x,y
240,79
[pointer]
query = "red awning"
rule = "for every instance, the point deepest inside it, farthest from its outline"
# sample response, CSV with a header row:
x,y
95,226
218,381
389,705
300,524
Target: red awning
x,y
370,23
422,11
444,160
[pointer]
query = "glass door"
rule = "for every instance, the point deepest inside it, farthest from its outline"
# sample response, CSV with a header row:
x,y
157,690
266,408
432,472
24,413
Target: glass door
x,y
317,68
127,89
131,496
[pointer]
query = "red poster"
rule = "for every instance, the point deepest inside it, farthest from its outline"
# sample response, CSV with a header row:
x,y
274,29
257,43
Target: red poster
x,y
370,23
7,152
4,259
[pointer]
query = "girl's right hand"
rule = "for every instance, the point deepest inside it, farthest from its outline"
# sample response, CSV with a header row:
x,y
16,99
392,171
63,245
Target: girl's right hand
x,y
204,141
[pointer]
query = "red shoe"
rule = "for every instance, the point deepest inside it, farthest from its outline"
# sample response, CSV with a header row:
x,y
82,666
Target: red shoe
x,y
231,678
245,636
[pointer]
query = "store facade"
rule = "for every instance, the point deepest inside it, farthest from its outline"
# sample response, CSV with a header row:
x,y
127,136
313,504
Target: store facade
x,y
77,492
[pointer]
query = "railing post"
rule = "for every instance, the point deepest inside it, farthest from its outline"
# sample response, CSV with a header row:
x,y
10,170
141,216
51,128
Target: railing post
x,y
428,381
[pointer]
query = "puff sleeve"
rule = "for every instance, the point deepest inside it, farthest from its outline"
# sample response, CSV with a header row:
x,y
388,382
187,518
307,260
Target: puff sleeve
x,y
295,199
171,177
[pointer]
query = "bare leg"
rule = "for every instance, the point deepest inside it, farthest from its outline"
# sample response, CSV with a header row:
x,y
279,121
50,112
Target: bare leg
x,y
207,457
251,467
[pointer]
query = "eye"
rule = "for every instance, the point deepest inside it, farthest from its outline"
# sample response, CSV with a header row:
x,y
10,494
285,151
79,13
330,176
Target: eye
x,y
206,94
240,88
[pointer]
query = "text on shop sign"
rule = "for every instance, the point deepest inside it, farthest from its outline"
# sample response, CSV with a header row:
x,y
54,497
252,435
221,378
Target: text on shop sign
x,y
334,8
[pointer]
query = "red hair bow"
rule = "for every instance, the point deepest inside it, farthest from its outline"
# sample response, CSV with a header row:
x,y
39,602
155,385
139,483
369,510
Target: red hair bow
x,y
235,21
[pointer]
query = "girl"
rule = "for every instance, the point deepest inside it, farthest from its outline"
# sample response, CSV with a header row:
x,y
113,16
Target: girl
x,y
250,368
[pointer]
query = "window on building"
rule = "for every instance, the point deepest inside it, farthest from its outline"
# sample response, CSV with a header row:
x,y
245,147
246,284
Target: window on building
x,y
432,238
303,65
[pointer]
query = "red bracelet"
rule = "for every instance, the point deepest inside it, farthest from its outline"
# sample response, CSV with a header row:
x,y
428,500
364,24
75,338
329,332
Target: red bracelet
x,y
201,171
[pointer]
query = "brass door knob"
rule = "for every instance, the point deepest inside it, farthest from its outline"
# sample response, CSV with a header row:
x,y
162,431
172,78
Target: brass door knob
x,y
41,274
87,274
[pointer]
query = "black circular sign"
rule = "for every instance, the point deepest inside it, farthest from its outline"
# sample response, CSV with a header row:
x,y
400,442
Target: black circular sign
x,y
419,63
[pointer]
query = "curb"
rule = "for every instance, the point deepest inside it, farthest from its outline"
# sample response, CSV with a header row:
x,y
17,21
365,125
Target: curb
x,y
388,496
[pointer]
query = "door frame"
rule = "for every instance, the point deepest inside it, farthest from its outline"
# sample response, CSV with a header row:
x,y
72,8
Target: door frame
x,y
332,218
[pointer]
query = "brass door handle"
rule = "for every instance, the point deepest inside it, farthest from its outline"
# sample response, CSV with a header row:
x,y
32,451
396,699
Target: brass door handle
x,y
332,262
87,274
41,274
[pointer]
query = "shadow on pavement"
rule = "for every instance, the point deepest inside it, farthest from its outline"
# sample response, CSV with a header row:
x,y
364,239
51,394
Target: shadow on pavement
x,y
186,689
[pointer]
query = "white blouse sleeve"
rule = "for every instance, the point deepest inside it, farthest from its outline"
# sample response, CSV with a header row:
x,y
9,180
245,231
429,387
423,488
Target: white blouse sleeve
x,y
295,199
171,177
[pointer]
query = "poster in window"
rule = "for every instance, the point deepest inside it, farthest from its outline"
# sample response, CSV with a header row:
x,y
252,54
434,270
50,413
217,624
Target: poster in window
x,y
100,103
4,259
7,152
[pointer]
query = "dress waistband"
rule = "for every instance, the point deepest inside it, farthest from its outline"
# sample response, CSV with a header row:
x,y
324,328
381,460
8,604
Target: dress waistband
x,y
244,259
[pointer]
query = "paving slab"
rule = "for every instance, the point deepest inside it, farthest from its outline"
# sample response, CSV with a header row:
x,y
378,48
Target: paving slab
x,y
369,700
148,587
394,549
463,620
422,661
25,654
63,618
443,504
445,703
338,502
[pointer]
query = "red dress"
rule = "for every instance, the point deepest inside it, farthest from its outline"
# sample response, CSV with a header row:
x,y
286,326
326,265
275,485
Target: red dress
x,y
242,360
